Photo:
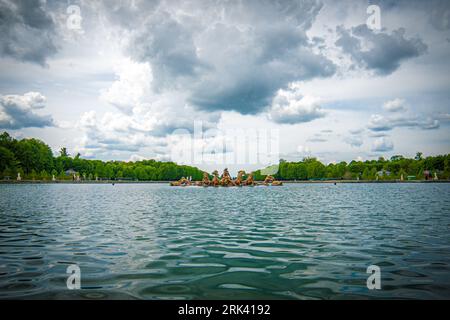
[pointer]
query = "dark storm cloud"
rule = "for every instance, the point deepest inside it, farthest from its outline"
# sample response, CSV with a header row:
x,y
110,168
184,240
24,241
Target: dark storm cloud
x,y
379,51
440,15
17,112
250,87
26,31
229,55
168,46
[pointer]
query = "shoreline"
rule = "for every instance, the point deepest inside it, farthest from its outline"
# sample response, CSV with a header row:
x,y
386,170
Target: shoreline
x,y
168,182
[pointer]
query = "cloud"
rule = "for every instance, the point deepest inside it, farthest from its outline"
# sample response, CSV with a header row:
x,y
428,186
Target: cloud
x,y
17,112
354,141
378,51
113,132
395,105
132,84
303,150
317,138
356,131
27,31
382,145
300,153
149,112
245,68
444,117
385,123
377,134
290,107
440,15
135,158
168,46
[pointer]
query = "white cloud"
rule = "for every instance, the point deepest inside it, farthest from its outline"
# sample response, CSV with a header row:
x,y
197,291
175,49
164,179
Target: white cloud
x,y
382,145
18,111
304,150
290,107
385,123
154,113
133,83
112,132
354,141
395,105
136,157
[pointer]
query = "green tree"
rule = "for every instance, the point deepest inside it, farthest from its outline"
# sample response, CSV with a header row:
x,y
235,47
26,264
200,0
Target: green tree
x,y
366,174
35,155
33,175
7,159
44,175
373,173
63,152
402,173
7,173
300,171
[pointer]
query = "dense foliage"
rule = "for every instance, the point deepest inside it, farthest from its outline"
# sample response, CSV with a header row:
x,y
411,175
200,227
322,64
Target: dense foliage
x,y
33,159
381,169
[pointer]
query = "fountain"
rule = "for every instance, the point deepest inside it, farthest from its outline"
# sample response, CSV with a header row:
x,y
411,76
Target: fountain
x,y
239,179
215,180
225,180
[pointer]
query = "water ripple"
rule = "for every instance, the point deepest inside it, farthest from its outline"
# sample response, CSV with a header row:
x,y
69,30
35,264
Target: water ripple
x,y
306,241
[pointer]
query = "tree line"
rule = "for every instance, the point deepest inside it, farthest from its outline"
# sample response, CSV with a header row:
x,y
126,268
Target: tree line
x,y
34,160
394,168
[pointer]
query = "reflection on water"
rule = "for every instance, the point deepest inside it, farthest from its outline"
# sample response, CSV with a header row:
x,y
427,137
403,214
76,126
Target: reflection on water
x,y
305,241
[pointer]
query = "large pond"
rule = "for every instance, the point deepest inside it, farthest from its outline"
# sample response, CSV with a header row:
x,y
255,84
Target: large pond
x,y
152,241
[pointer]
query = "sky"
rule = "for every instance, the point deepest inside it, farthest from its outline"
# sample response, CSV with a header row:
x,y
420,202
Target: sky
x,y
236,84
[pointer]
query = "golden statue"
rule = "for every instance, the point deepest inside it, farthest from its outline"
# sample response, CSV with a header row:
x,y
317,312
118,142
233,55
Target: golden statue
x,y
205,180
215,181
239,179
269,180
175,183
182,182
276,183
249,181
226,180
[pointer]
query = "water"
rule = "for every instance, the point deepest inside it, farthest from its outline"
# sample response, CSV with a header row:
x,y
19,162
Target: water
x,y
302,241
